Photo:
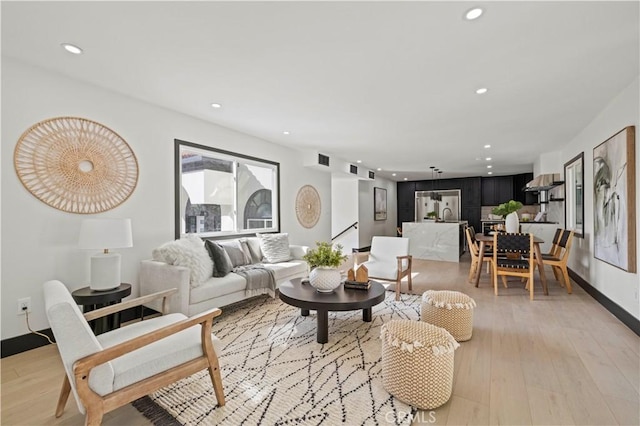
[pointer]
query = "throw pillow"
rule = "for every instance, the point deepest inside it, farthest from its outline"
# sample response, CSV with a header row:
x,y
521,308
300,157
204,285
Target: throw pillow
x,y
275,247
221,262
236,252
184,252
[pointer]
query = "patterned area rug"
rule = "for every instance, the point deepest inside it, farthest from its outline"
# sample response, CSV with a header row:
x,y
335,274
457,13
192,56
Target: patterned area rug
x,y
274,371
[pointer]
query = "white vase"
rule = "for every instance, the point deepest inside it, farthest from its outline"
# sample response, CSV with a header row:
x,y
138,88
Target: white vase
x,y
325,280
512,223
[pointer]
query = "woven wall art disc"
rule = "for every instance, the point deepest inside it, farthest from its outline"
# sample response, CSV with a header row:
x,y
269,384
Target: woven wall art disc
x,y
308,206
76,165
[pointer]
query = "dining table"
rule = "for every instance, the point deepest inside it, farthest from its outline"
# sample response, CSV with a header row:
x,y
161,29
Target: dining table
x,y
484,239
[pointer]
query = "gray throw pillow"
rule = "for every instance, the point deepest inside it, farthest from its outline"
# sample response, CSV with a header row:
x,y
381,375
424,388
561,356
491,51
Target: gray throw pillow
x,y
221,262
275,247
236,252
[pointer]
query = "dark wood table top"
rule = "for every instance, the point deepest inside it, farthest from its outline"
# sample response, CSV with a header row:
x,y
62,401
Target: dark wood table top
x,y
86,296
305,296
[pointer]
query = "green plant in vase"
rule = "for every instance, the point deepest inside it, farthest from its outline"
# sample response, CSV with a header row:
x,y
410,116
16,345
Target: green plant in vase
x,y
325,259
508,212
432,215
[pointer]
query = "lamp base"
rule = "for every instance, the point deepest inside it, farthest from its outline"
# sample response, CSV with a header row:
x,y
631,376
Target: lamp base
x,y
105,271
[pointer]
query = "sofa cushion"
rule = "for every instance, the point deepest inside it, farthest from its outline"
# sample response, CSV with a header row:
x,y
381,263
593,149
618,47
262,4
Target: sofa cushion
x,y
284,270
275,247
186,252
222,264
216,287
254,249
237,251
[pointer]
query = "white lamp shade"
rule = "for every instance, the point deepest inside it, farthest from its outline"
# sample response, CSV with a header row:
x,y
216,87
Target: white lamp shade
x,y
105,234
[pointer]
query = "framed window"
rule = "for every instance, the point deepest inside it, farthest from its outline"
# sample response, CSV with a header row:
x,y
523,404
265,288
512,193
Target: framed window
x,y
574,195
221,193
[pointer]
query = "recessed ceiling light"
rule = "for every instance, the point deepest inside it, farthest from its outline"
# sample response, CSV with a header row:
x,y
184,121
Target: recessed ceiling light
x,y
489,166
214,105
487,146
406,178
393,174
474,13
358,161
71,48
489,173
482,91
379,169
286,132
488,159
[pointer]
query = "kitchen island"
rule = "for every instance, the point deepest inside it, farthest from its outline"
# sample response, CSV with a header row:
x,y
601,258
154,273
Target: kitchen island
x,y
435,240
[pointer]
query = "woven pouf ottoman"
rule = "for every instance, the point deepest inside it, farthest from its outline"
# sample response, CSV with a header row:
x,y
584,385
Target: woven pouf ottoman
x,y
450,310
417,362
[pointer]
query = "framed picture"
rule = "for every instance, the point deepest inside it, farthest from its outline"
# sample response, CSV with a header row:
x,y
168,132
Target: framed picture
x,y
614,200
574,195
379,203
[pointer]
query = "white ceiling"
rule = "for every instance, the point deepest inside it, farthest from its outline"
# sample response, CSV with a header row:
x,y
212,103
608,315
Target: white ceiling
x,y
389,83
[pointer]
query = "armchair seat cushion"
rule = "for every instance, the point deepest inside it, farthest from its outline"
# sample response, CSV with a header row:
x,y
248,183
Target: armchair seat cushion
x,y
157,357
384,270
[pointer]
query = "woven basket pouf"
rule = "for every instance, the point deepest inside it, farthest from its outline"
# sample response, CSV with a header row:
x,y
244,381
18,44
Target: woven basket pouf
x,y
417,362
450,310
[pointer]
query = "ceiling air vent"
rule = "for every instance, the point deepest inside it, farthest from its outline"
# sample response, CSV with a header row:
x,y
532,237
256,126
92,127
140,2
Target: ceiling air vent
x,y
323,160
372,175
353,169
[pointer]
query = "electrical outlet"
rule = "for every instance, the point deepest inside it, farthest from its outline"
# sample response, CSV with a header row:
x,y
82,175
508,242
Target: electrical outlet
x,y
24,305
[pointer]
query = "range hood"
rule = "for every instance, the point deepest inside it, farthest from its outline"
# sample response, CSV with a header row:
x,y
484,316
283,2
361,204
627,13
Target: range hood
x,y
544,182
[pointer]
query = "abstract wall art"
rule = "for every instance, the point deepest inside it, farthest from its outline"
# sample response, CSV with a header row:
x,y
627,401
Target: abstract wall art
x,y
379,204
614,192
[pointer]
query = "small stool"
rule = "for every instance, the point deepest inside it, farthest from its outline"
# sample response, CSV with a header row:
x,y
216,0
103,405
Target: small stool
x,y
417,362
450,310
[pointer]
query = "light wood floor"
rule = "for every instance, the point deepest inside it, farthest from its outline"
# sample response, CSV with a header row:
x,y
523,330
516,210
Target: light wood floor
x,y
561,359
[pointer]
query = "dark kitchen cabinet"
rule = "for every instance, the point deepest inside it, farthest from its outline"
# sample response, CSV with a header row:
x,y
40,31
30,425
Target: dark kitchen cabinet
x,y
519,183
472,215
470,190
497,190
406,202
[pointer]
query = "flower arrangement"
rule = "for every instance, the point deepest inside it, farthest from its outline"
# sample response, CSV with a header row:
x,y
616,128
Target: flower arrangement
x,y
324,255
507,208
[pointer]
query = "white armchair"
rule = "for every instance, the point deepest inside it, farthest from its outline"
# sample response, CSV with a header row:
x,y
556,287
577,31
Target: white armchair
x,y
389,259
112,369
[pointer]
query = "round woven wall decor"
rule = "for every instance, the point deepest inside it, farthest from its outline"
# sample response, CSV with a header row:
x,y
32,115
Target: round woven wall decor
x,y
76,165
308,206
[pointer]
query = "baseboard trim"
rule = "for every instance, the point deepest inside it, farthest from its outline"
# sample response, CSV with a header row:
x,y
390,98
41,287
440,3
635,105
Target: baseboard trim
x,y
26,342
624,316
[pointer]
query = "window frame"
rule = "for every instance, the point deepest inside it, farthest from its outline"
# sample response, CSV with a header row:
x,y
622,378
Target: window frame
x,y
179,145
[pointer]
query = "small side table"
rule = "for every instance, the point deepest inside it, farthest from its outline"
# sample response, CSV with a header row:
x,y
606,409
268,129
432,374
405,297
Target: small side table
x,y
93,299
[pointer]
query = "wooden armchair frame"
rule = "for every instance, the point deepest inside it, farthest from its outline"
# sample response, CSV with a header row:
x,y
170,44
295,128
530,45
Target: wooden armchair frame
x,y
96,405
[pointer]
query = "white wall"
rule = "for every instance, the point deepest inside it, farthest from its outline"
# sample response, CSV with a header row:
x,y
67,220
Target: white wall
x,y
344,210
368,226
620,286
39,243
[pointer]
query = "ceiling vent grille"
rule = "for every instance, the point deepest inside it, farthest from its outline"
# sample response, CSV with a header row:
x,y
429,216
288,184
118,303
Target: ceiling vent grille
x,y
372,175
353,169
323,160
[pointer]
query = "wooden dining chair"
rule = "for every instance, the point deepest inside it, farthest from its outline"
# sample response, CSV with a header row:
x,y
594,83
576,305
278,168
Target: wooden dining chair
x,y
474,251
559,262
509,251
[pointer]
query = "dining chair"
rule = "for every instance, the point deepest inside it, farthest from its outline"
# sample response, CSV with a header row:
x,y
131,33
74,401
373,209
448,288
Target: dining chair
x,y
389,259
509,251
117,367
474,251
559,262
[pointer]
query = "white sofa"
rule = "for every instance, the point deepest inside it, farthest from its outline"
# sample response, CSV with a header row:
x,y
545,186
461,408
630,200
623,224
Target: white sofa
x,y
193,298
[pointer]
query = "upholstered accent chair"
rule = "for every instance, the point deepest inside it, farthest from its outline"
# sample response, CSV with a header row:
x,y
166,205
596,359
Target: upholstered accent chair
x,y
513,256
389,259
110,370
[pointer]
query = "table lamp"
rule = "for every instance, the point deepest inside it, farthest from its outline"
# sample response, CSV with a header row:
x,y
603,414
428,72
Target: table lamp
x,y
105,234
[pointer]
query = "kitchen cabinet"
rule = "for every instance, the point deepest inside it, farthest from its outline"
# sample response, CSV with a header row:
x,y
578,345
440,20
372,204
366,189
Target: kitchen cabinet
x,y
406,202
525,197
472,215
496,190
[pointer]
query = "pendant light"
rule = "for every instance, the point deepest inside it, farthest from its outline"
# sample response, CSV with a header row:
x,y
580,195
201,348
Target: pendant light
x,y
434,194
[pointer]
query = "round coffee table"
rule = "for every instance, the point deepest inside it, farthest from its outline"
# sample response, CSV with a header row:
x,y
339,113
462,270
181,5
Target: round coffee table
x,y
305,297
